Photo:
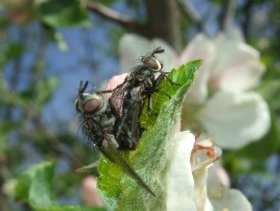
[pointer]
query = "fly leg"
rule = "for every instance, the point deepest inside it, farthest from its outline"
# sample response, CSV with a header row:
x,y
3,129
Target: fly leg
x,y
162,92
164,75
150,106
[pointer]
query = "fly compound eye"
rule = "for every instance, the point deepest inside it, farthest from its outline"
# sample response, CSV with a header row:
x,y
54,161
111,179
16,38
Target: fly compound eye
x,y
77,106
153,63
92,105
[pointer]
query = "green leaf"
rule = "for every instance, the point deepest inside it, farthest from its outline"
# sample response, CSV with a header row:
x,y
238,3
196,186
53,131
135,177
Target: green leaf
x,y
40,193
63,13
149,159
56,37
35,187
68,208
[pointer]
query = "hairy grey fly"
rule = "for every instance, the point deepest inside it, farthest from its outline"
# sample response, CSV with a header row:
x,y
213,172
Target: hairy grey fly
x,y
99,120
129,96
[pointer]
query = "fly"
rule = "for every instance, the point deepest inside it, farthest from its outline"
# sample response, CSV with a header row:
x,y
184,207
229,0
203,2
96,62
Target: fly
x,y
98,120
129,96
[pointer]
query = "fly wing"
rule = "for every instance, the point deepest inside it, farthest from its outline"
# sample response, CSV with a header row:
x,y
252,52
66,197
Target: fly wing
x,y
135,110
129,125
118,96
121,91
110,148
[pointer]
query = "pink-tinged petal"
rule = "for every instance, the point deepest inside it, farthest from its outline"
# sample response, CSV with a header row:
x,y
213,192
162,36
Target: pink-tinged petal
x,y
237,65
235,119
239,77
115,81
201,47
217,178
89,193
180,183
132,47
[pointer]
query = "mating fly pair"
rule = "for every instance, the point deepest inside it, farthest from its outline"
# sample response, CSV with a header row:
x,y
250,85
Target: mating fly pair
x,y
129,96
113,125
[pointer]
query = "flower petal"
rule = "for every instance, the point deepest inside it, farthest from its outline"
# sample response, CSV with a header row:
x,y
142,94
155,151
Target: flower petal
x,y
200,191
201,47
235,119
237,65
217,178
180,183
132,47
230,199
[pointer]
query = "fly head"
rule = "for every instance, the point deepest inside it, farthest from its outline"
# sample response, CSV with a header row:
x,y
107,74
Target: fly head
x,y
150,60
87,103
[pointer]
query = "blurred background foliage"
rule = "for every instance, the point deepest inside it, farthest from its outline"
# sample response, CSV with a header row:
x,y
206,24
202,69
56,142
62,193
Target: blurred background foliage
x,y
47,47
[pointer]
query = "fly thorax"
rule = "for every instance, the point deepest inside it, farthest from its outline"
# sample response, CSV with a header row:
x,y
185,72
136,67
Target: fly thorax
x,y
136,94
108,122
149,83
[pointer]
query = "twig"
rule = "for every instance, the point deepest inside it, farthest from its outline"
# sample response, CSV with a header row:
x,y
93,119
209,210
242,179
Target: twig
x,y
114,16
227,15
247,13
192,14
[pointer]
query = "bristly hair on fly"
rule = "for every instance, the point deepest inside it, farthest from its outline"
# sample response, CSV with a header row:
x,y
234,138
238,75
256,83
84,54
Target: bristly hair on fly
x,y
82,90
99,118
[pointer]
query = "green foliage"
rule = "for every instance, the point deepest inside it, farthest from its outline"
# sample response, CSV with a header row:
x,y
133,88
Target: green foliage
x,y
270,90
9,51
35,187
4,22
63,13
149,159
56,37
5,128
106,2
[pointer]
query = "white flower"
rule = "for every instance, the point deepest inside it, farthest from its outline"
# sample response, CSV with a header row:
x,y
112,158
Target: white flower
x,y
180,182
231,115
235,119
187,188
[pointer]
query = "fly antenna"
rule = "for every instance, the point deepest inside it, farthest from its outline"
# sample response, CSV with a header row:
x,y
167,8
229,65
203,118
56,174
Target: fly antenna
x,y
82,87
158,50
